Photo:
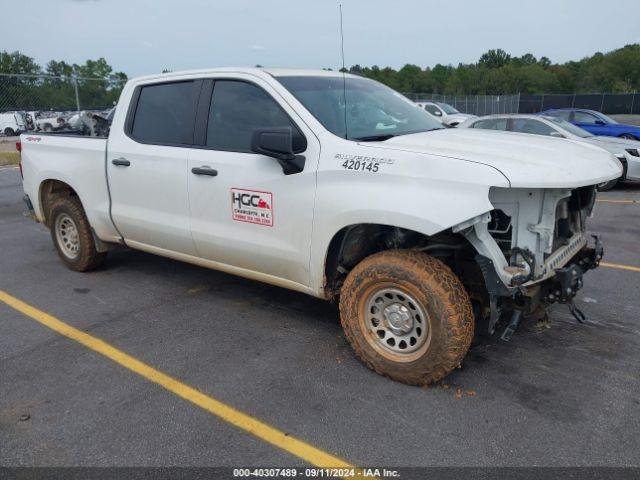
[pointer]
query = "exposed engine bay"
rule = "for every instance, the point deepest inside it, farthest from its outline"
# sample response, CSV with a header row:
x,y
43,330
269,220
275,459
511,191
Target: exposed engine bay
x,y
533,248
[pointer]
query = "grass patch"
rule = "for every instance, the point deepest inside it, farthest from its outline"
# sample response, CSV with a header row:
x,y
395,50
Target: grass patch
x,y
9,158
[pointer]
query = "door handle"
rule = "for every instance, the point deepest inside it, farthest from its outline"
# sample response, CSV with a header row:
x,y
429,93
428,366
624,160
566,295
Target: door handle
x,y
122,162
204,171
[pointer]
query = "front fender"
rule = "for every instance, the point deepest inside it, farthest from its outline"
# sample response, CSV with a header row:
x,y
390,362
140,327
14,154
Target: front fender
x,y
428,198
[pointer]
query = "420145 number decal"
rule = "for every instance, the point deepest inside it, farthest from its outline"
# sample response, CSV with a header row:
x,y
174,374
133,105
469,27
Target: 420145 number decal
x,y
361,165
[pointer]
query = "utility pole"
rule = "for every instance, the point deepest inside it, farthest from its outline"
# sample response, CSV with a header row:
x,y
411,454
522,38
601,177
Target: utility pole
x,y
75,87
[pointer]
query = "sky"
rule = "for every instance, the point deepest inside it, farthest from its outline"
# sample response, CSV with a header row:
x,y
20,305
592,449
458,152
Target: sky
x,y
144,37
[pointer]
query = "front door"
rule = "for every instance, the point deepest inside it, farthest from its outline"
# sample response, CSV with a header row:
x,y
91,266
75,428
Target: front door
x,y
245,212
589,122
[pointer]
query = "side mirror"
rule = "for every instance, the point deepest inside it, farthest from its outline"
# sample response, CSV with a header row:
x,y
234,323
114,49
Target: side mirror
x,y
556,134
278,143
437,113
600,122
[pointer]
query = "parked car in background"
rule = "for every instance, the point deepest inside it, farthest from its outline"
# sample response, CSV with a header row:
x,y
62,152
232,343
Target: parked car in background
x,y
12,123
595,122
45,121
626,151
445,113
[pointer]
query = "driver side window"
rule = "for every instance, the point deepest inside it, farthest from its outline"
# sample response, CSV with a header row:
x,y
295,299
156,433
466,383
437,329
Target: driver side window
x,y
237,109
584,117
433,110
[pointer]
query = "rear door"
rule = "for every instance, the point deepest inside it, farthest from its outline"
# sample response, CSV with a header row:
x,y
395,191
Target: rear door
x,y
250,215
147,166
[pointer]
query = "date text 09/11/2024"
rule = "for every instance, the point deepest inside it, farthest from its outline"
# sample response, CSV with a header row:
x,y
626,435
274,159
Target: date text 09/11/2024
x,y
316,473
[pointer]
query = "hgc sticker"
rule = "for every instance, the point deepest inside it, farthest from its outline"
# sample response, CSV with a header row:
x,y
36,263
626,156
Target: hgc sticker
x,y
252,206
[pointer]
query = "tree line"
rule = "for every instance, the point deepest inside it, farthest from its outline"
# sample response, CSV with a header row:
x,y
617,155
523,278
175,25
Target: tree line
x,y
498,73
33,87
495,73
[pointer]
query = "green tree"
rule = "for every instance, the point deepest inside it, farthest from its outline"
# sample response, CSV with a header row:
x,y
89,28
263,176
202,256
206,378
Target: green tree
x,y
494,58
21,89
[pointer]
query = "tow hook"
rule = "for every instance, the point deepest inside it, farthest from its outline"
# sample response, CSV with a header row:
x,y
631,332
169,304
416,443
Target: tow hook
x,y
576,312
528,257
516,316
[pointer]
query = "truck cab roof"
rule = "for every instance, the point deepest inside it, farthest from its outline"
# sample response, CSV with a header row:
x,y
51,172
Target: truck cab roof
x,y
258,71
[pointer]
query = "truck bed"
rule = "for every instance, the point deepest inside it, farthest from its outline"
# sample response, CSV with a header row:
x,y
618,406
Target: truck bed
x,y
75,160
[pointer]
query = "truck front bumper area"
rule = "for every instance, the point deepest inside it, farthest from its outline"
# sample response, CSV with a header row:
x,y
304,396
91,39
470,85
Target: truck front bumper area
x,y
566,282
560,286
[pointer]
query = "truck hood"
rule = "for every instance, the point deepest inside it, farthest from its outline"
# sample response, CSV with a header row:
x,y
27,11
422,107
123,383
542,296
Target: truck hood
x,y
527,161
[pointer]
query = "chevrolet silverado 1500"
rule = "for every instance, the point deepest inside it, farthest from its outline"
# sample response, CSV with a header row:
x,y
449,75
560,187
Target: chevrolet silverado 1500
x,y
335,186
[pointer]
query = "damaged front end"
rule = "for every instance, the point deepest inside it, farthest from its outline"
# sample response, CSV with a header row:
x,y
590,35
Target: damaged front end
x,y
532,250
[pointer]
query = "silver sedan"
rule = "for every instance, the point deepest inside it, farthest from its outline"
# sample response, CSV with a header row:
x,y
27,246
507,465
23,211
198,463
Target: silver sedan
x,y
627,151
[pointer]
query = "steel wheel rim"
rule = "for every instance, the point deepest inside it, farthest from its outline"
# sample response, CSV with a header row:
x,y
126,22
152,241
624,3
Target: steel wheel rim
x,y
67,236
397,324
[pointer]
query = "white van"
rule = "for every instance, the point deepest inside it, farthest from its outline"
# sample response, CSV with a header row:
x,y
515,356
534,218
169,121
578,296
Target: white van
x,y
12,123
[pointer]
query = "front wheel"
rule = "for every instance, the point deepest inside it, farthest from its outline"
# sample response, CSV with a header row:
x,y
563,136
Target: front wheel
x,y
72,236
9,132
603,187
407,316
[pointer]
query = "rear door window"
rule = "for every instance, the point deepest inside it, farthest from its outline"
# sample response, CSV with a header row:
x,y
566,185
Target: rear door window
x,y
165,113
492,124
535,127
563,114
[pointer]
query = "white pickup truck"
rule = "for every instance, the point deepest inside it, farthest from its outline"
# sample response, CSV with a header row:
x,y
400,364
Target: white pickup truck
x,y
335,186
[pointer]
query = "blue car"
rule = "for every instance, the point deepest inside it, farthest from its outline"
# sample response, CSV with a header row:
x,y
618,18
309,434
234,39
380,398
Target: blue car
x,y
595,122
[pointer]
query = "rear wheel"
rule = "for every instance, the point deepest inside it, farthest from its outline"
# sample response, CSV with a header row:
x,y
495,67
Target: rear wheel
x,y
72,237
407,316
9,132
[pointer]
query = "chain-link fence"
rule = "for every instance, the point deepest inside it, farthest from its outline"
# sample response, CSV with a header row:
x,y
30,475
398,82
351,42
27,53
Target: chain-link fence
x,y
612,103
473,104
46,102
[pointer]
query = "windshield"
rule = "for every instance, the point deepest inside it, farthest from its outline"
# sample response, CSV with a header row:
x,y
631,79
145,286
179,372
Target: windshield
x,y
448,109
373,111
569,127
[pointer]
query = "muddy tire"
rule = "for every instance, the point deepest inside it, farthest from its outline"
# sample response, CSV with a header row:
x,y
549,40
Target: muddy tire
x,y
407,316
72,237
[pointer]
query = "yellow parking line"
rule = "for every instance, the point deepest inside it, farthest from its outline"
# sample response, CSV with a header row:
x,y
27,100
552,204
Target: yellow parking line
x,y
620,266
621,202
225,412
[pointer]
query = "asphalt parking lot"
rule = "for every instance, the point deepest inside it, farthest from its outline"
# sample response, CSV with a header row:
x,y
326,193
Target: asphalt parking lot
x,y
568,395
